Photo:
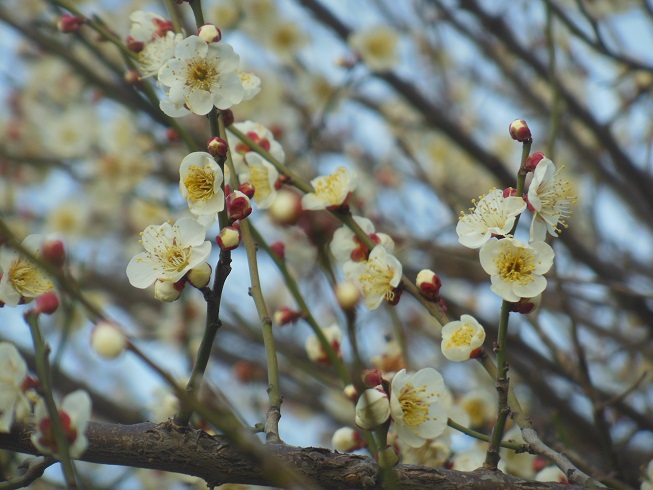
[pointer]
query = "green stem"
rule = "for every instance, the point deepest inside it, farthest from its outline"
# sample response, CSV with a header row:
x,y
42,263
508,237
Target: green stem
x,y
515,446
502,385
41,351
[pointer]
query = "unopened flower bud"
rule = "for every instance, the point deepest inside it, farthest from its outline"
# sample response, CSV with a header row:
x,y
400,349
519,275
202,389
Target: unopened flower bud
x,y
279,249
54,252
229,238
429,284
531,162
526,305
167,291
347,295
134,45
372,409
227,117
284,316
387,457
372,377
217,147
247,188
209,33
172,135
199,276
132,77
238,206
46,303
519,130
350,392
70,23
346,440
107,340
286,208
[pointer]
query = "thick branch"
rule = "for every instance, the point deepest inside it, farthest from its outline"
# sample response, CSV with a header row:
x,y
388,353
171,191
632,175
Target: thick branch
x,y
194,452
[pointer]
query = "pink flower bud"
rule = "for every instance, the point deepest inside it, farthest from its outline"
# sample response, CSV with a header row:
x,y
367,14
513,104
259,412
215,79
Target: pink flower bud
x,y
429,284
229,238
238,206
209,33
172,135
107,340
372,377
531,162
247,188
134,45
279,249
284,316
46,303
54,252
199,276
519,130
217,147
70,23
167,291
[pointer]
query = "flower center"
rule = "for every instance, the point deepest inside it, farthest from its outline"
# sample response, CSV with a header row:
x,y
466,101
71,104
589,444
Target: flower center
x,y
27,280
516,265
461,337
376,280
414,406
200,183
201,75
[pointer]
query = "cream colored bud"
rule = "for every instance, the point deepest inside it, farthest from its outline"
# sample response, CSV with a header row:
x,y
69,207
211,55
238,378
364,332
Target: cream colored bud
x,y
350,392
347,295
346,439
199,276
167,291
372,409
286,207
209,33
107,340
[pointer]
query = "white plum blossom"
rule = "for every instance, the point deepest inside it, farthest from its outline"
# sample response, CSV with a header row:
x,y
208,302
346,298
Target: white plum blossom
x,y
13,370
260,135
199,183
415,406
158,38
170,252
376,46
201,76
516,268
263,176
551,198
251,84
377,277
331,191
492,214
347,246
461,338
22,279
74,413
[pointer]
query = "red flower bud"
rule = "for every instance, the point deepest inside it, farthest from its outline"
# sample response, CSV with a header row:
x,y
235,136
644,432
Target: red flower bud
x,y
53,251
134,45
279,249
227,117
238,206
519,130
531,162
70,23
217,147
247,188
46,303
372,377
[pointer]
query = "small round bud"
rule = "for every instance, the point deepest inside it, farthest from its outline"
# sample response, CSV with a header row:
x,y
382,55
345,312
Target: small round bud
x,y
227,117
167,291
229,238
132,77
347,295
54,252
372,377
372,409
172,135
279,249
519,130
350,392
217,147
199,276
70,23
247,188
387,457
107,340
209,33
284,316
134,45
429,284
531,162
286,208
238,206
346,440
46,303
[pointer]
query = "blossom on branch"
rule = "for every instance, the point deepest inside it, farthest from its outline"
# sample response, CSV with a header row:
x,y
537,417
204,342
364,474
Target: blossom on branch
x,y
155,39
347,246
415,406
170,252
331,191
201,76
263,176
200,181
462,339
377,277
493,214
22,280
516,268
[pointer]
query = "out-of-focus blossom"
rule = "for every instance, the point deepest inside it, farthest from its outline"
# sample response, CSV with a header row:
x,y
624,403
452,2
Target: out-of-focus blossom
x,y
13,370
377,47
347,246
